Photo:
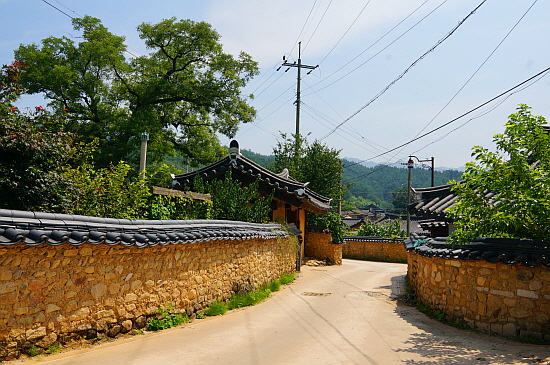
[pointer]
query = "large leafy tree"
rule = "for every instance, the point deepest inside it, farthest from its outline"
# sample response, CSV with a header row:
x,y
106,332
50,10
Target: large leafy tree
x,y
315,163
319,165
507,193
182,93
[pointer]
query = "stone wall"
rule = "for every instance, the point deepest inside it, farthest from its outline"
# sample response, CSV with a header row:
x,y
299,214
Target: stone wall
x,y
374,250
60,293
319,246
512,300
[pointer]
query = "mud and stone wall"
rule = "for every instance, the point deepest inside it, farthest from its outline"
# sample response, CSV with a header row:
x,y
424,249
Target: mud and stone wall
x,y
319,246
60,293
381,250
508,300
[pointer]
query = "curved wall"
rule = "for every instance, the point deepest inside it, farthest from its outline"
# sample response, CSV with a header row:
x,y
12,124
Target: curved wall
x,y
512,300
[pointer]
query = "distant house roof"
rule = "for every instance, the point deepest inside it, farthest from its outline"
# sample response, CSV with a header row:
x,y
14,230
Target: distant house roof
x,y
353,223
246,171
432,202
36,228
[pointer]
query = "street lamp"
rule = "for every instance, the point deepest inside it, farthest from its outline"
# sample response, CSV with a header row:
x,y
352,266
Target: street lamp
x,y
143,156
410,166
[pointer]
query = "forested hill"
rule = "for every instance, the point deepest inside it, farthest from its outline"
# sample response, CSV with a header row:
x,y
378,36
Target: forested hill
x,y
375,184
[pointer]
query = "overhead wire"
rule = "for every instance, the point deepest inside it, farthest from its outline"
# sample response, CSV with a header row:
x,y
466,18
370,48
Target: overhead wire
x,y
479,68
346,32
483,113
378,40
407,69
304,26
543,72
469,79
317,27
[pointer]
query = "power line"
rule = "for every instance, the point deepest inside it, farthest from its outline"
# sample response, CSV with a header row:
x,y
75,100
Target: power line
x,y
318,24
482,114
479,68
303,27
408,68
373,44
56,8
461,116
346,32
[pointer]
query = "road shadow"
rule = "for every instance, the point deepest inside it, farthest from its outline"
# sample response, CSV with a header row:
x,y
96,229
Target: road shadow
x,y
453,346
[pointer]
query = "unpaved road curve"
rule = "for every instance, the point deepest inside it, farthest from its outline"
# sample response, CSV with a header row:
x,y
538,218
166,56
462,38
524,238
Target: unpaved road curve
x,y
329,315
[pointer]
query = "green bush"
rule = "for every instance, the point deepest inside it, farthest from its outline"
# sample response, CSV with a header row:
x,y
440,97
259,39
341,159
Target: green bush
x,y
217,308
287,279
166,319
175,208
275,285
389,228
232,201
108,192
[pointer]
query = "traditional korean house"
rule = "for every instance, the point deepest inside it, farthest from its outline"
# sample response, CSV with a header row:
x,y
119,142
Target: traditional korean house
x,y
431,205
291,198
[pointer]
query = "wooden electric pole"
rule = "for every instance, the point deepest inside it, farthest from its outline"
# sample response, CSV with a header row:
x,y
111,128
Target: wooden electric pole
x,y
300,67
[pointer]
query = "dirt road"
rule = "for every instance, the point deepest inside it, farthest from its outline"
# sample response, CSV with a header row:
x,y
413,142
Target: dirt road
x,y
330,315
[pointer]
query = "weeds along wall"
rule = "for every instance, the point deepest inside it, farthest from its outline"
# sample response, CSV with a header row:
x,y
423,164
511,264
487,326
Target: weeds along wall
x,y
61,293
374,249
511,300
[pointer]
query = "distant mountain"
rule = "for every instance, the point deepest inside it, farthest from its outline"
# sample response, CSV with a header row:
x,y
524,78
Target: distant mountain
x,y
398,164
375,182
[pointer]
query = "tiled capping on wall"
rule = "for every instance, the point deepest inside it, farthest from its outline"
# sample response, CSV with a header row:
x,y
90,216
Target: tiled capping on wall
x,y
374,248
506,298
59,293
319,246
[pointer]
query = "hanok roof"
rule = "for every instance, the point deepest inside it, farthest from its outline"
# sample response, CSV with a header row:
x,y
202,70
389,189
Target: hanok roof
x,y
529,253
36,228
284,187
433,202
353,223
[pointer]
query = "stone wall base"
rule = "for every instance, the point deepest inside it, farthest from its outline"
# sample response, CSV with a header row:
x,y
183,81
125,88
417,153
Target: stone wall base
x,y
62,293
319,246
374,251
507,300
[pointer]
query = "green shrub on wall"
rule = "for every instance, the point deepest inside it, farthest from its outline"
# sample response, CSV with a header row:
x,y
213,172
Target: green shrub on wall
x,y
389,229
166,207
233,201
108,192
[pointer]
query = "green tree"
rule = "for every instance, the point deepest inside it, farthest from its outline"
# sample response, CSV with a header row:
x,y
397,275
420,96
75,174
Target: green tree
x,y
34,147
507,193
232,201
315,163
388,229
319,165
400,199
184,92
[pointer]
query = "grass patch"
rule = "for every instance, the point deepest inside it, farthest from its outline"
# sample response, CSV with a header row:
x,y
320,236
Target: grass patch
x,y
54,348
166,319
33,351
286,279
275,285
217,308
251,298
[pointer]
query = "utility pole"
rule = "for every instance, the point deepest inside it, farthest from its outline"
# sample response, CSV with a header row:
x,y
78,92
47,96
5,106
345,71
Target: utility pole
x,y
300,67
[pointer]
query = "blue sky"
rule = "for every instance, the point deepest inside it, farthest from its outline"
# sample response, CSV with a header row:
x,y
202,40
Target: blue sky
x,y
358,59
